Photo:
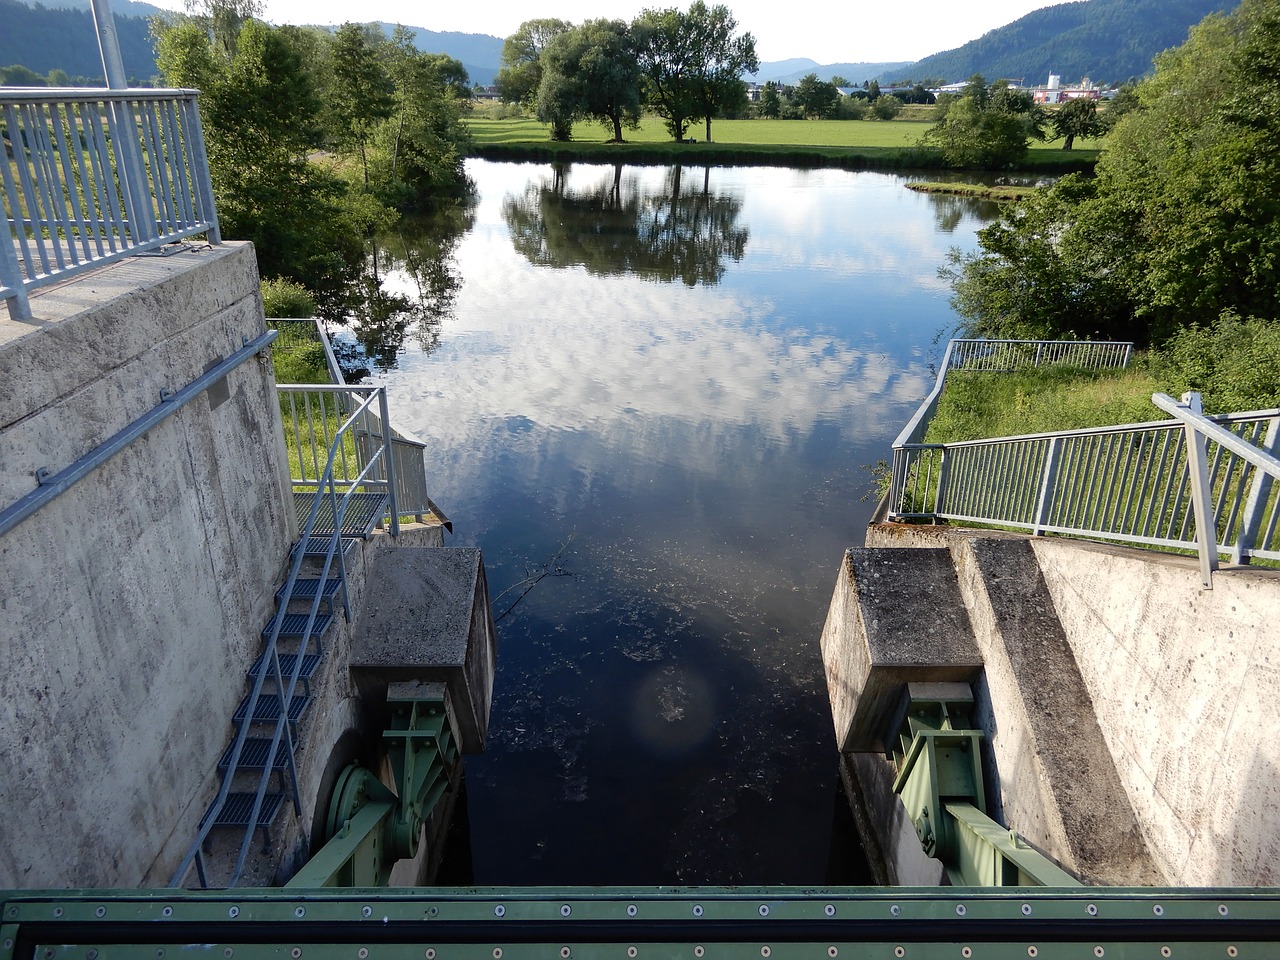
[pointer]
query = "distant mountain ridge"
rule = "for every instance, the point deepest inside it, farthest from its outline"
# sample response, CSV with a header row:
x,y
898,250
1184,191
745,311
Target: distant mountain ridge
x,y
1106,40
1109,41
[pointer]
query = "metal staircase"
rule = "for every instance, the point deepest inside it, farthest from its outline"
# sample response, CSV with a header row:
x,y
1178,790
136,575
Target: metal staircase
x,y
258,769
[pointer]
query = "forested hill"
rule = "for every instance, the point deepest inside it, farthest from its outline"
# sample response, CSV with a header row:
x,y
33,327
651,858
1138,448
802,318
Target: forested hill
x,y
1105,40
45,39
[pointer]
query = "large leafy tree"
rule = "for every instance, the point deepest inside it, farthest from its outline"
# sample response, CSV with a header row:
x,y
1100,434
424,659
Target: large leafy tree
x,y
816,98
720,58
261,113
1077,118
591,72
987,126
1182,222
692,63
360,94
521,74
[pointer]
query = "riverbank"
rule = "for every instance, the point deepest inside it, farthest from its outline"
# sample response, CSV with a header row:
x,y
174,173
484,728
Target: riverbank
x,y
846,144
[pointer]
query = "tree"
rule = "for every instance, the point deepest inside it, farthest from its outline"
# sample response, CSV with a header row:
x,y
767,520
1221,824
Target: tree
x,y
692,63
770,102
591,72
886,107
521,71
1181,223
260,110
987,126
839,81
360,92
816,98
1077,118
719,61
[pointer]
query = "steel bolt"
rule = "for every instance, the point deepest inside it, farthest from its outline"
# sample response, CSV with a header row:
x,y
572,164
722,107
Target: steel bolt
x,y
228,953
961,910
1166,952
1232,951
895,910
100,912
1091,909
829,909
1098,951
167,912
362,953
366,911
431,953
497,953
1026,909
299,912
698,951
8,944
160,953
697,909
899,951
764,909
565,952
832,952
13,911
1158,910
565,910
433,911
296,952
499,910
1032,951
631,952
631,910
765,951
1222,909
966,952
92,955
233,912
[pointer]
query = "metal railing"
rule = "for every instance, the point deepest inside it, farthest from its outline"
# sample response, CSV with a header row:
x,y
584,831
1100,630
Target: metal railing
x,y
92,176
334,484
409,454
1006,355
1192,483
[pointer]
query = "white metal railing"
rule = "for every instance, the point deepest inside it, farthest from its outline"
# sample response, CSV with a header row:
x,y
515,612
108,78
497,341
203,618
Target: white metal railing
x,y
90,176
1195,482
1005,355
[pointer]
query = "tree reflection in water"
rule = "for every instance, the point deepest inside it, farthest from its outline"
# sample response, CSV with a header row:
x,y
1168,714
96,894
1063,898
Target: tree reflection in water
x,y
619,226
419,247
951,210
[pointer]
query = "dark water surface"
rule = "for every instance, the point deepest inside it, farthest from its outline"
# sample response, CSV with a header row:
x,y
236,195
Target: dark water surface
x,y
662,390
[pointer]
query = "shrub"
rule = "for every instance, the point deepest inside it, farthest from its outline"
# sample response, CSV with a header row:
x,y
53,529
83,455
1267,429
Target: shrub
x,y
1230,362
286,298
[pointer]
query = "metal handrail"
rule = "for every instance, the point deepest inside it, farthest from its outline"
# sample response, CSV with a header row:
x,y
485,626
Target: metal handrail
x,y
97,175
326,485
1192,483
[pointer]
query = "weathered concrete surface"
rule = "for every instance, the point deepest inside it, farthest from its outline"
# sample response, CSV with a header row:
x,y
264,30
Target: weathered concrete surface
x,y
888,837
895,618
1180,682
156,569
1057,782
1184,682
426,616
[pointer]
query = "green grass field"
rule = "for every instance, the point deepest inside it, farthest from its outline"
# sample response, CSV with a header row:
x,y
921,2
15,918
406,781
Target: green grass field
x,y
843,134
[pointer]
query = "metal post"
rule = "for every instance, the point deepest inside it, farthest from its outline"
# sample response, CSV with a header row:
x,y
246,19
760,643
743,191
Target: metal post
x,y
11,279
1198,472
389,459
1259,493
1045,501
108,45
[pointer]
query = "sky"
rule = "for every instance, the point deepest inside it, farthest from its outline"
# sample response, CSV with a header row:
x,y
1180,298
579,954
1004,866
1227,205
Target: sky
x,y
821,30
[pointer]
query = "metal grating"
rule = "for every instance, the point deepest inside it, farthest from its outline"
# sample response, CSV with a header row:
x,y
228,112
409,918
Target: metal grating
x,y
253,755
296,623
267,709
363,512
238,809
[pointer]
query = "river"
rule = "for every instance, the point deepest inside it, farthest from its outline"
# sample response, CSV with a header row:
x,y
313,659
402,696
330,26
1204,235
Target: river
x,y
654,397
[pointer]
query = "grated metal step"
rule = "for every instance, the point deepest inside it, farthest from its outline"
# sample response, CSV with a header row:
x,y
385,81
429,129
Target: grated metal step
x,y
239,808
306,588
319,546
268,708
295,624
288,661
253,756
364,511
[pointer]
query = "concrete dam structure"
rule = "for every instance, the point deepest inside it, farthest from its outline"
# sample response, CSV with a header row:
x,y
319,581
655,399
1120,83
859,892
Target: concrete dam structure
x,y
1125,707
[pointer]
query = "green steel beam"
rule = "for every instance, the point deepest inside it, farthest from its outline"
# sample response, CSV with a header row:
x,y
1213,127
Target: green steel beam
x,y
783,923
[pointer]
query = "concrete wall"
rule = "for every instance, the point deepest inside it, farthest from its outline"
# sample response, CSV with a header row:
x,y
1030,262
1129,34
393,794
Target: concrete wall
x,y
132,604
1184,684
1177,681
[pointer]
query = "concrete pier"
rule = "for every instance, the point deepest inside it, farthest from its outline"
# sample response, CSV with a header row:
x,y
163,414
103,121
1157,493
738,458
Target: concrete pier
x,y
1123,706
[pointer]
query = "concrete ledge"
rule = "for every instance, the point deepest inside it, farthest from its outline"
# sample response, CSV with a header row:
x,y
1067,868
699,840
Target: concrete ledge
x,y
1055,779
895,618
426,617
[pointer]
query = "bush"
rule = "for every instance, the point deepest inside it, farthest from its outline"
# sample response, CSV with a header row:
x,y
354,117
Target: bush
x,y
287,298
1230,362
